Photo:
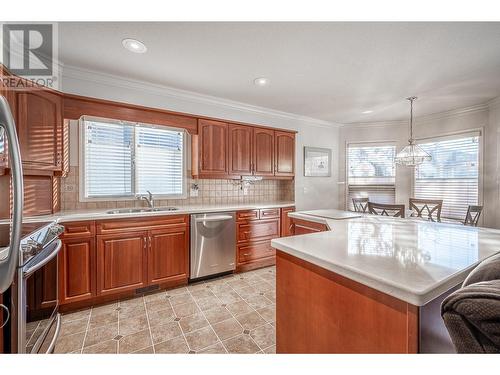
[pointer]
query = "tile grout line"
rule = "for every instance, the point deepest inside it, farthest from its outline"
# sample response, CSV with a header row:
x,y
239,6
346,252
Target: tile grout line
x,y
208,321
147,319
249,335
86,330
175,314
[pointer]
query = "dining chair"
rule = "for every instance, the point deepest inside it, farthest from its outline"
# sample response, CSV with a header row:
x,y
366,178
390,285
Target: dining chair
x,y
429,209
360,204
472,217
395,210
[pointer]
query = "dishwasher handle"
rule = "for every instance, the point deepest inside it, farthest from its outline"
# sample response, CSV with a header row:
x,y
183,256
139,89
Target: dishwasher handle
x,y
213,218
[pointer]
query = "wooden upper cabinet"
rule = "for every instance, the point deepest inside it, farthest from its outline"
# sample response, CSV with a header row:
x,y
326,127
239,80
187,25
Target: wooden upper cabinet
x,y
285,153
121,262
240,150
40,127
263,140
213,142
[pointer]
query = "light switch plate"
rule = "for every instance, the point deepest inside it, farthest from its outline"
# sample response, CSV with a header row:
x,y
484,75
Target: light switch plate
x,y
193,192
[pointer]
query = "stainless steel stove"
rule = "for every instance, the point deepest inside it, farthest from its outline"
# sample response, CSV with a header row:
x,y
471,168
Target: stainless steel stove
x,y
37,321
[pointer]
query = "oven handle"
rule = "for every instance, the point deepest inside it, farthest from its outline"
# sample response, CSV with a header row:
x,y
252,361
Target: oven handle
x,y
56,335
57,246
9,264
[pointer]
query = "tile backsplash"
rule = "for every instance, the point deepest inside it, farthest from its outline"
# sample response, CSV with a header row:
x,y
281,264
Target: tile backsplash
x,y
209,192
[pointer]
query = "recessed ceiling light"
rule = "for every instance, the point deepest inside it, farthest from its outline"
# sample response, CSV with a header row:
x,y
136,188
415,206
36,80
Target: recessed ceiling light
x,y
367,112
261,81
134,45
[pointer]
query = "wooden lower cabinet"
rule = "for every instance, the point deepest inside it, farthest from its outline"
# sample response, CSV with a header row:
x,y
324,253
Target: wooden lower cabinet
x,y
168,257
110,259
121,262
254,231
77,265
299,226
286,222
254,251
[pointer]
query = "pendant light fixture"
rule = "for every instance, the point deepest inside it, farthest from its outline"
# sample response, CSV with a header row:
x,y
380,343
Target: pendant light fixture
x,y
412,155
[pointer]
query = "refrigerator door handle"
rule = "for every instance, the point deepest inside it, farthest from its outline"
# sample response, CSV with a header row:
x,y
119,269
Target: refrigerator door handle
x,y
9,262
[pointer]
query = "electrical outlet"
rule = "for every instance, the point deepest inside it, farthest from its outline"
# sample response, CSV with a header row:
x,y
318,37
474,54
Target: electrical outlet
x,y
69,188
193,192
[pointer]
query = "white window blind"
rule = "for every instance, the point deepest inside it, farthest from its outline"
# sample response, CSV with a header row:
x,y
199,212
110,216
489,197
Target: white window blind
x,y
159,161
108,150
124,160
452,175
371,173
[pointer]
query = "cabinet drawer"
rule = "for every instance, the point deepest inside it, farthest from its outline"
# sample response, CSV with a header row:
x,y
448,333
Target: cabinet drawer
x,y
247,215
304,227
258,230
78,229
115,226
269,213
254,251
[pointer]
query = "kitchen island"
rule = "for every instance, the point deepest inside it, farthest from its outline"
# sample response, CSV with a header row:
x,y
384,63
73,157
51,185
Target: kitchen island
x,y
371,284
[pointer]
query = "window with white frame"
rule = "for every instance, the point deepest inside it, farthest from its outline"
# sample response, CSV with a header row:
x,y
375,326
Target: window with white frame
x,y
123,160
371,172
452,175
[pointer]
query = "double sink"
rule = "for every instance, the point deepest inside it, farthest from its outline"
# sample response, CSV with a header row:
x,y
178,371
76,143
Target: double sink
x,y
135,210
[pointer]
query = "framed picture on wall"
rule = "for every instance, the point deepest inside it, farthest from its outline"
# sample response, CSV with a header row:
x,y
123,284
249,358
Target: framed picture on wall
x,y
317,162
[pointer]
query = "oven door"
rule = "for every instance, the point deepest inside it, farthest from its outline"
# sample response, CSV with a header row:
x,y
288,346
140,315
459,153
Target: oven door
x,y
39,321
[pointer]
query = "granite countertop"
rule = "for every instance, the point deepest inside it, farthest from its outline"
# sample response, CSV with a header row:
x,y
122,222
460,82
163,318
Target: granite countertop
x,y
101,214
413,260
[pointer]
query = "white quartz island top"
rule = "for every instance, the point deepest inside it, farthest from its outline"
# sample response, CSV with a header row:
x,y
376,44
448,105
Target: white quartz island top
x,y
102,214
413,260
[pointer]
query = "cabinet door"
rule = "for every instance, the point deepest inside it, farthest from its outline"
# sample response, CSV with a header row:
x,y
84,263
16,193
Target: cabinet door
x,y
240,149
263,152
168,257
286,223
77,270
213,148
121,262
40,125
285,154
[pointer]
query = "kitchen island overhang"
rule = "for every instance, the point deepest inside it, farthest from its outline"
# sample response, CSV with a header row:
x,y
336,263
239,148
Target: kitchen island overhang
x,y
371,284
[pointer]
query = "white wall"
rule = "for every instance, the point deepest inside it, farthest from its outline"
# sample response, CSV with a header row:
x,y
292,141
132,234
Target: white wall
x,y
484,117
310,192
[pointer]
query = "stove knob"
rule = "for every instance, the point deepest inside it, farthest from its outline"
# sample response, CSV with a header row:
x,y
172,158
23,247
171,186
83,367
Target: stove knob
x,y
56,229
31,247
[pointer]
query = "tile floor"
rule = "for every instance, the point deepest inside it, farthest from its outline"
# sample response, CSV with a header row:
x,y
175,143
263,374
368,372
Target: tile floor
x,y
232,314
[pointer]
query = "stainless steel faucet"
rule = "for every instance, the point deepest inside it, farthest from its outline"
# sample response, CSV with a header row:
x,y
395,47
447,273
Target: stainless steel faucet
x,y
149,199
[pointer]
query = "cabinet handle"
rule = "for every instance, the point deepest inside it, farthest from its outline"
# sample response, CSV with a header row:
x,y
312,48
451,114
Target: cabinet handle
x,y
145,242
246,254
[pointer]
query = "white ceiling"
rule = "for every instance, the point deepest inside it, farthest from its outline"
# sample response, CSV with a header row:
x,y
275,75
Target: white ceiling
x,y
328,71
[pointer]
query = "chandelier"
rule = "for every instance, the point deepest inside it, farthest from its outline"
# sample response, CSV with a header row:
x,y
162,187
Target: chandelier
x,y
412,155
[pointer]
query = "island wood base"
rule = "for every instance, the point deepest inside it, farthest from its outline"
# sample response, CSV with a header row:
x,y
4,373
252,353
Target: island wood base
x,y
318,311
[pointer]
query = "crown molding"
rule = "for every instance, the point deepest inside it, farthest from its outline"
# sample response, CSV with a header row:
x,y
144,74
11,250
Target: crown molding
x,y
427,118
93,76
494,103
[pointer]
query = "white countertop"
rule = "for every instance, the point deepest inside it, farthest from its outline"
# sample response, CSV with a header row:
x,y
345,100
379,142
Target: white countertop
x,y
101,214
413,260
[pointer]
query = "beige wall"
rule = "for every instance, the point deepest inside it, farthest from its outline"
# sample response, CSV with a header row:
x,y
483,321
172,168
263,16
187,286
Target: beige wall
x,y
483,117
309,192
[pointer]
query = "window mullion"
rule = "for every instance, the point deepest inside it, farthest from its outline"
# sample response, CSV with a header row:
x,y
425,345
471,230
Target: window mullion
x,y
134,164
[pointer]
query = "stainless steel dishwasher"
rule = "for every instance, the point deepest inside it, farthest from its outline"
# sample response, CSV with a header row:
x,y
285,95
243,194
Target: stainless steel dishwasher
x,y
213,244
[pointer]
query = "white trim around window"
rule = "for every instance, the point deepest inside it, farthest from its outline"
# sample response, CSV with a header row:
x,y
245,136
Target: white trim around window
x,y
475,132
129,159
381,191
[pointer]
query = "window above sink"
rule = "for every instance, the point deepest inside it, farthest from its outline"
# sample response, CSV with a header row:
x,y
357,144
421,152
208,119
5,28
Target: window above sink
x,y
122,160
